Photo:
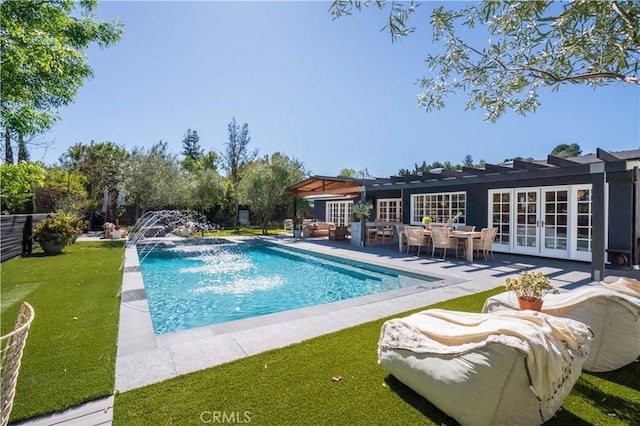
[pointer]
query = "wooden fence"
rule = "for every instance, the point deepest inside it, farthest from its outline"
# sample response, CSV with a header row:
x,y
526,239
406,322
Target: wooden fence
x,y
16,232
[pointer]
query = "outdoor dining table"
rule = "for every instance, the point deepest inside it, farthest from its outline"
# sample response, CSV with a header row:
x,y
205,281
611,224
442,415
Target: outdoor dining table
x,y
467,236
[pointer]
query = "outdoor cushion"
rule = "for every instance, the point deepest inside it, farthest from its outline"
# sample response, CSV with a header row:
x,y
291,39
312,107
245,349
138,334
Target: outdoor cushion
x,y
509,368
612,315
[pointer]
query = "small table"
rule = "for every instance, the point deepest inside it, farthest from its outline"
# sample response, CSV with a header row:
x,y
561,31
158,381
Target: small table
x,y
338,233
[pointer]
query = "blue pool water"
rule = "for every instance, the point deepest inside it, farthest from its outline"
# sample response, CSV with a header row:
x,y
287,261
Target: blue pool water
x,y
193,285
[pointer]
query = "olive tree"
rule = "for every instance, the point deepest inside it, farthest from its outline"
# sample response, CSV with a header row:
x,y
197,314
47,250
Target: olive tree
x,y
263,183
153,179
501,53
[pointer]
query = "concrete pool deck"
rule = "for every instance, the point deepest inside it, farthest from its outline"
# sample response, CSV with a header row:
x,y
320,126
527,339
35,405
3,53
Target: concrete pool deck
x,y
144,358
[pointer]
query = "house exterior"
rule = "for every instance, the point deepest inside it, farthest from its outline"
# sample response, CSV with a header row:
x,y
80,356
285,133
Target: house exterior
x,y
585,208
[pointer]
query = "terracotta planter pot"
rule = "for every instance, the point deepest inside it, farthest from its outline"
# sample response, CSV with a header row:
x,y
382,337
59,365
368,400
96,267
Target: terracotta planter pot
x,y
52,246
529,305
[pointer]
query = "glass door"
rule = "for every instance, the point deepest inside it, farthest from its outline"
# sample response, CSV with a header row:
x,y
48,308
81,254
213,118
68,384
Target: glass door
x,y
555,222
527,222
500,217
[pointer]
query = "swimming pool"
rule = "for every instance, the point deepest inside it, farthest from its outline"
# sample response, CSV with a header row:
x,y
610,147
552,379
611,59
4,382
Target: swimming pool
x,y
197,283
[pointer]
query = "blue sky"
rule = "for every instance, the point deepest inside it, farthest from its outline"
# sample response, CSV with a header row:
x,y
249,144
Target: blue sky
x,y
332,94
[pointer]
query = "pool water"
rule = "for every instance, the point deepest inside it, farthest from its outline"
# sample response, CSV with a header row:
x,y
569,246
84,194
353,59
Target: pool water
x,y
194,285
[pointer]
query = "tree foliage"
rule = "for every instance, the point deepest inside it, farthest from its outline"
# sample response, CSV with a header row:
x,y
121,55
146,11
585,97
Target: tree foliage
x,y
43,46
100,164
17,185
520,47
62,191
192,151
263,183
567,151
351,173
237,155
206,188
152,179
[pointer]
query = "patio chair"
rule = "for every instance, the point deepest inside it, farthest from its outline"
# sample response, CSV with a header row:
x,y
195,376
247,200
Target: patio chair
x,y
11,349
504,368
485,242
613,315
384,233
415,238
441,239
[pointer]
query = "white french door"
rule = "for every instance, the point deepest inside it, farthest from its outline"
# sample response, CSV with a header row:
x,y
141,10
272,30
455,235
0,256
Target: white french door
x,y
389,210
547,221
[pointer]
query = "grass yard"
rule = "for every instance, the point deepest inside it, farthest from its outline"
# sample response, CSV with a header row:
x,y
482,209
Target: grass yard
x,y
70,353
294,385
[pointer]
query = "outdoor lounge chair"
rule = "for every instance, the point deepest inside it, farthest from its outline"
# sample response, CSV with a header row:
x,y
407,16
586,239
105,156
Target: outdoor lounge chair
x,y
505,368
612,315
11,349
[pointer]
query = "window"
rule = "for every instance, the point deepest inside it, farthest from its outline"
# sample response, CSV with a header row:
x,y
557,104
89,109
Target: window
x,y
339,212
441,207
389,210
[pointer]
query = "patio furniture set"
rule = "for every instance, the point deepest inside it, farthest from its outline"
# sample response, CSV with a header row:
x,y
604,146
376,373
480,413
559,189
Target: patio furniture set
x,y
461,238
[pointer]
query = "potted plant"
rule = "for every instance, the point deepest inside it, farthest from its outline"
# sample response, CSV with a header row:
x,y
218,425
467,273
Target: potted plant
x,y
297,227
56,232
81,227
530,288
426,221
361,210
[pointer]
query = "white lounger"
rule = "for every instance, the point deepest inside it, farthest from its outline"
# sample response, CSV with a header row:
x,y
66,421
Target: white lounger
x,y
613,314
507,368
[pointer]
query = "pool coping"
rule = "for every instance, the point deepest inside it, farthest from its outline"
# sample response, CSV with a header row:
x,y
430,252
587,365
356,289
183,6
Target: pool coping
x,y
144,358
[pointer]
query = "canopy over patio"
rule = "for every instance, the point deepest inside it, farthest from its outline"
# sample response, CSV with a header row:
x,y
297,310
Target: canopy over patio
x,y
326,185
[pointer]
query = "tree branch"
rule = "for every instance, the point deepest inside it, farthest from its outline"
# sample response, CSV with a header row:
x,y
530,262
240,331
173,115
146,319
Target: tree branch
x,y
630,19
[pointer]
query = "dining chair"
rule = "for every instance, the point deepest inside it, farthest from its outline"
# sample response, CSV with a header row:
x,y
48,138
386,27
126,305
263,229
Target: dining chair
x,y
415,238
485,242
372,234
462,244
384,233
441,238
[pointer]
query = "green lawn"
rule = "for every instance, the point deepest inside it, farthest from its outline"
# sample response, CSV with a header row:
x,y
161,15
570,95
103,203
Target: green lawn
x,y
70,352
70,358
294,385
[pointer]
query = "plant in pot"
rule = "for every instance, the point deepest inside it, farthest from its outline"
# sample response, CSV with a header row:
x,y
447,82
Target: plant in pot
x,y
530,288
426,221
361,210
56,232
297,227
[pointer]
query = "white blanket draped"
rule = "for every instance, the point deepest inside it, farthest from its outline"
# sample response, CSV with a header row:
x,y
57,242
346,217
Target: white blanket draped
x,y
546,340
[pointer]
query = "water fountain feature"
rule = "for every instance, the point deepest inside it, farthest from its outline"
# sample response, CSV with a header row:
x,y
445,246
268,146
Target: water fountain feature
x,y
160,223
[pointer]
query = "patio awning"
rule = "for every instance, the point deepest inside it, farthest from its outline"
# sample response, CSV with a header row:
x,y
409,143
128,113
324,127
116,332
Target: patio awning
x,y
325,185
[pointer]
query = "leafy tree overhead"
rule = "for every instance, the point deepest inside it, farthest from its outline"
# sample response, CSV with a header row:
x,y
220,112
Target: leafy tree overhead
x,y
237,155
519,47
567,151
44,61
